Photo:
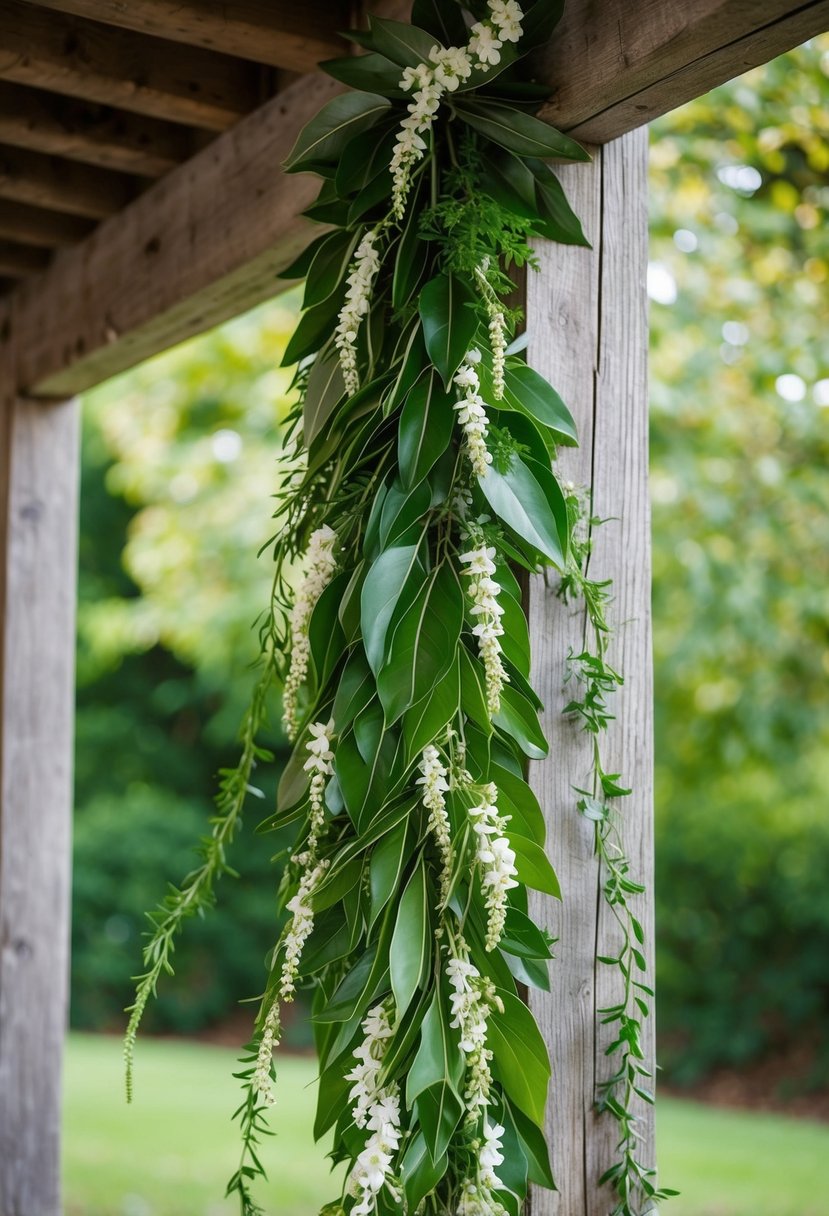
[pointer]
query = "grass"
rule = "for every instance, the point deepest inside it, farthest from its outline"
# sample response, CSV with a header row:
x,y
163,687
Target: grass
x,y
170,1153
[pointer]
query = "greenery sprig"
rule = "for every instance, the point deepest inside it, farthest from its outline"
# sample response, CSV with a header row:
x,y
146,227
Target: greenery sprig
x,y
422,475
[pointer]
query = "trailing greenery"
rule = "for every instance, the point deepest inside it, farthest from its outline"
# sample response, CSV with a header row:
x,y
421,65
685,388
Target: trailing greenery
x,y
420,479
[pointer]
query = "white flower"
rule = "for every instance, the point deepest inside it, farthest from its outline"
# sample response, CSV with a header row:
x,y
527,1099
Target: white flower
x,y
421,81
472,414
483,590
320,764
452,66
477,1198
320,564
506,16
261,1081
435,784
485,45
360,279
498,345
471,1001
497,861
376,1108
301,923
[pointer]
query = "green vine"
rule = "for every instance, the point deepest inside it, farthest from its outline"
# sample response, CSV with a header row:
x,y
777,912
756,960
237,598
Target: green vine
x,y
421,475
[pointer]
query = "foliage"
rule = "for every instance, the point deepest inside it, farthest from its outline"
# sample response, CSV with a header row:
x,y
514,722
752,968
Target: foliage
x,y
418,475
741,526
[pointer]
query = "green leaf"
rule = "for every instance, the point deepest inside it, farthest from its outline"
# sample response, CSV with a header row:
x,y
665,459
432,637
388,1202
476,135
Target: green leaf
x,y
412,258
516,639
328,132
402,509
439,1110
441,18
539,21
328,267
535,1149
372,72
402,43
312,331
354,691
424,644
560,222
325,634
325,391
411,945
523,1065
533,865
300,266
438,1060
386,865
519,720
523,937
519,500
473,691
381,590
426,426
351,992
447,311
424,721
530,393
420,1173
517,131
367,157
518,801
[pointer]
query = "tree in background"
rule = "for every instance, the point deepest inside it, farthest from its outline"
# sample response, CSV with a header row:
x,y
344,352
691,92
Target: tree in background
x,y
178,469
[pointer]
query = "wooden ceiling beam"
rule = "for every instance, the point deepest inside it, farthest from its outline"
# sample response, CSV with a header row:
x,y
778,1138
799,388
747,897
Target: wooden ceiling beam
x,y
291,34
36,226
20,260
47,181
614,66
93,134
144,75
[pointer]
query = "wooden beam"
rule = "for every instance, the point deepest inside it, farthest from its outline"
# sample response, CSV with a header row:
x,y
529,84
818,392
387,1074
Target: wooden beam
x,y
145,75
282,33
614,66
36,226
20,260
587,320
38,537
199,246
46,181
94,134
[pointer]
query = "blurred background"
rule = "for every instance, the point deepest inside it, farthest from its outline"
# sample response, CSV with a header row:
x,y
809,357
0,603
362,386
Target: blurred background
x,y
178,467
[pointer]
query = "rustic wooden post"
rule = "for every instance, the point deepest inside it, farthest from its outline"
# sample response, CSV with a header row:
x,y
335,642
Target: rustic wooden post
x,y
587,319
38,528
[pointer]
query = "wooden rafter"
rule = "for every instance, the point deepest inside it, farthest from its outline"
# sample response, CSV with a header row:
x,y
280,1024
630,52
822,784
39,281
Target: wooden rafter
x,y
282,33
37,226
21,260
146,75
94,134
47,181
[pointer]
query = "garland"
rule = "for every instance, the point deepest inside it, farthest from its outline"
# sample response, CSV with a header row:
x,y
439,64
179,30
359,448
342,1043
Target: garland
x,y
421,477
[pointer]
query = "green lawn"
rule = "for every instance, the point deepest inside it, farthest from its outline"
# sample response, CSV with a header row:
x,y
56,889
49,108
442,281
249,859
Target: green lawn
x,y
171,1151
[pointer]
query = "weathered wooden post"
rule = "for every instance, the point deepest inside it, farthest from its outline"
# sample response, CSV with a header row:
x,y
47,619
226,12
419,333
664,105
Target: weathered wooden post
x,y
587,319
38,527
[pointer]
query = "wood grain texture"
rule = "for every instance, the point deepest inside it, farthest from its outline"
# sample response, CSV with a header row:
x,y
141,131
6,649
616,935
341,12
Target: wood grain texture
x,y
587,319
201,245
93,134
38,490
49,181
17,260
614,66
281,33
37,226
146,75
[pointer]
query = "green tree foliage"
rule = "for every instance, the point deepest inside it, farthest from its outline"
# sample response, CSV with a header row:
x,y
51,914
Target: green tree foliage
x,y
740,441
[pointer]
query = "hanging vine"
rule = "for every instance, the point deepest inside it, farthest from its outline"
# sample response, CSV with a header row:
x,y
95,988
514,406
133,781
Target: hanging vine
x,y
422,476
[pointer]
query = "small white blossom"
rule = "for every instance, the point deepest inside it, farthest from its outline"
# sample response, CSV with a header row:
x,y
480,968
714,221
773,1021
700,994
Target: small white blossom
x,y
320,764
472,414
320,563
497,861
485,45
377,1109
484,590
271,1030
506,16
477,1198
452,66
301,923
435,784
498,345
361,275
410,145
471,1000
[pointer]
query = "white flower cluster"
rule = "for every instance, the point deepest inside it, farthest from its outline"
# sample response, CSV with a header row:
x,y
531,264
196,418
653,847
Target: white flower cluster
x,y
477,1198
361,275
497,862
298,931
472,998
484,590
376,1108
472,413
320,764
447,69
320,563
435,784
498,346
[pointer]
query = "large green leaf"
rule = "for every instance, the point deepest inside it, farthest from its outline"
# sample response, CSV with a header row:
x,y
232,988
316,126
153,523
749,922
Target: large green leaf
x,y
438,1060
381,590
518,131
518,801
521,1059
439,1110
424,721
447,311
534,1147
517,498
419,1172
402,509
339,120
411,945
325,391
372,73
533,865
426,426
313,329
328,267
424,644
388,860
523,937
519,720
529,392
560,222
441,19
401,42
